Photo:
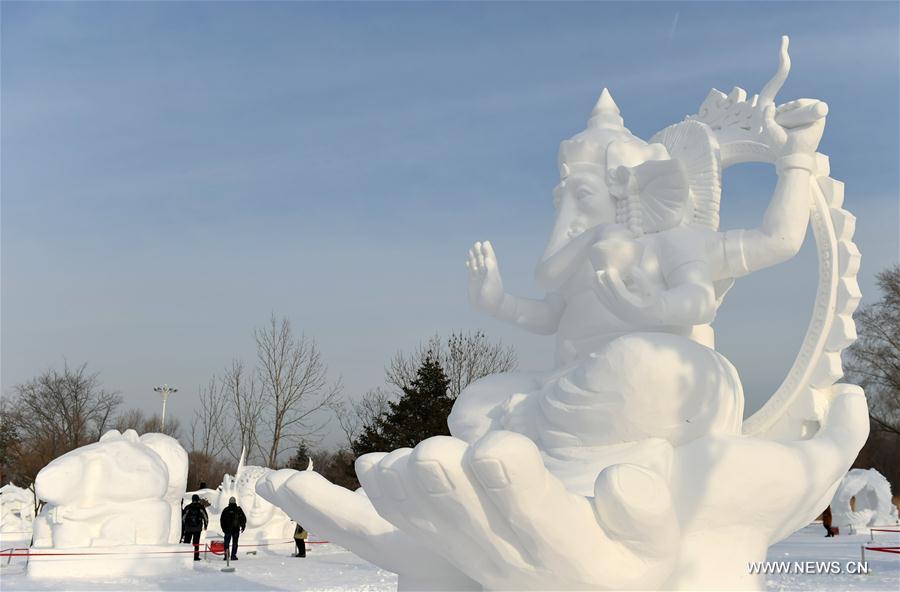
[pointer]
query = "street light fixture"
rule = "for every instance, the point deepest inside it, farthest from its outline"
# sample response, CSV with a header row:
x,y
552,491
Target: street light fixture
x,y
164,390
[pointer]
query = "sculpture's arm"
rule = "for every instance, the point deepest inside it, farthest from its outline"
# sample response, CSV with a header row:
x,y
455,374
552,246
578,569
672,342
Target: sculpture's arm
x,y
783,228
784,223
486,292
537,316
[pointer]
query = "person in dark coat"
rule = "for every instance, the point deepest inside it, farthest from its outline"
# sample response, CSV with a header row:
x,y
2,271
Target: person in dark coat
x,y
233,522
826,522
300,535
194,520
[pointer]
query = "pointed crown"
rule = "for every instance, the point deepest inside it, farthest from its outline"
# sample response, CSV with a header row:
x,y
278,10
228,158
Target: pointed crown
x,y
589,146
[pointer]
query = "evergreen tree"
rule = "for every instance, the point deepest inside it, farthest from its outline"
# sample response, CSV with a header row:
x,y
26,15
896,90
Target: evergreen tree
x,y
300,460
421,412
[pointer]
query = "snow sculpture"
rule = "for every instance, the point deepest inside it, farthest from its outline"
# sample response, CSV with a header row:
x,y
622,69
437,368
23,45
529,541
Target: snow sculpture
x,y
123,492
874,502
265,521
16,510
629,465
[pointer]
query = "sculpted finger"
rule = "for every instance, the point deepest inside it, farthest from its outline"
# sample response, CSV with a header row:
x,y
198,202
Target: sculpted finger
x,y
364,466
806,112
269,486
334,511
837,443
775,131
818,464
399,502
511,472
473,262
350,520
485,543
490,258
790,105
635,506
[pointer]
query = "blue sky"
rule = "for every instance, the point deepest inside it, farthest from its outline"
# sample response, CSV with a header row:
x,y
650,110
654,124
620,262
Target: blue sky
x,y
172,173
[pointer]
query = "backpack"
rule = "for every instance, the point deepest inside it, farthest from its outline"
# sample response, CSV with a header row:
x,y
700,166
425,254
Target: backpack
x,y
193,518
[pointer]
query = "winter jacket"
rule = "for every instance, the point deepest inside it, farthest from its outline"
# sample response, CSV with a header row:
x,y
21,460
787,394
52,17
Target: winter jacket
x,y
233,519
194,517
300,533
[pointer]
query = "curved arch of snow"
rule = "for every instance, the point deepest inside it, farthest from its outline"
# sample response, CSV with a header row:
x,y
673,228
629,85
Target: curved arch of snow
x,y
874,502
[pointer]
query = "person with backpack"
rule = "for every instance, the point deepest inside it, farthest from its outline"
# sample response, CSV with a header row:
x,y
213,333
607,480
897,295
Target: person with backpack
x,y
300,536
194,520
233,522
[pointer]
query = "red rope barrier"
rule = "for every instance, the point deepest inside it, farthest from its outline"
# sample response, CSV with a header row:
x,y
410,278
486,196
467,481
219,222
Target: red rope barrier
x,y
884,549
28,552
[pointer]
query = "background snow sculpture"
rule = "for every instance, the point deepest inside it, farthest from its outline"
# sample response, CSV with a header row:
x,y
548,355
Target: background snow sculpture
x,y
628,466
874,504
16,510
265,521
176,460
118,493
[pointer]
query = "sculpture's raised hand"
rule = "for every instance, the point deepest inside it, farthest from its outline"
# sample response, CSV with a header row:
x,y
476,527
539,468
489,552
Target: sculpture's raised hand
x,y
796,127
485,284
348,519
495,512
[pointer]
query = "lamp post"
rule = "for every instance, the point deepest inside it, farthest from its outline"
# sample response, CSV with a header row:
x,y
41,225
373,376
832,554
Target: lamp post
x,y
164,390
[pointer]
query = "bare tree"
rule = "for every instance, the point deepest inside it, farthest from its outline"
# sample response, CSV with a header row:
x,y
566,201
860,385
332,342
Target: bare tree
x,y
293,385
211,425
353,417
874,359
465,357
57,412
245,400
873,362
135,419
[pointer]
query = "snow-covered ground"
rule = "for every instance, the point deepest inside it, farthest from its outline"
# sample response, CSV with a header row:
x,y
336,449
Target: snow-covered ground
x,y
329,567
810,544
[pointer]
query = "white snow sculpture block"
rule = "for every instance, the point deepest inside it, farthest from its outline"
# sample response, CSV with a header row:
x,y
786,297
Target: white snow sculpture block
x,y
265,521
874,502
628,465
120,495
16,511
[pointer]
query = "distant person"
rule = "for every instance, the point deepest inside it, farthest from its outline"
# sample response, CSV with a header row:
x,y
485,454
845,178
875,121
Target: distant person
x,y
826,522
233,522
300,536
194,520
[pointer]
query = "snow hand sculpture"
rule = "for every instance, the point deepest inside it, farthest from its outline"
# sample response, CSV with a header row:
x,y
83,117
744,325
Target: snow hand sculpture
x,y
630,465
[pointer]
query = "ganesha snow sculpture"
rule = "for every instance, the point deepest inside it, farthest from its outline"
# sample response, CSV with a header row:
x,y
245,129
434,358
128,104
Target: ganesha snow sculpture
x,y
630,464
121,493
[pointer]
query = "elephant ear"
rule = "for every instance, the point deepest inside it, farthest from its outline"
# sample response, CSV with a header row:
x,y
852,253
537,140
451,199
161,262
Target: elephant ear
x,y
694,144
652,196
